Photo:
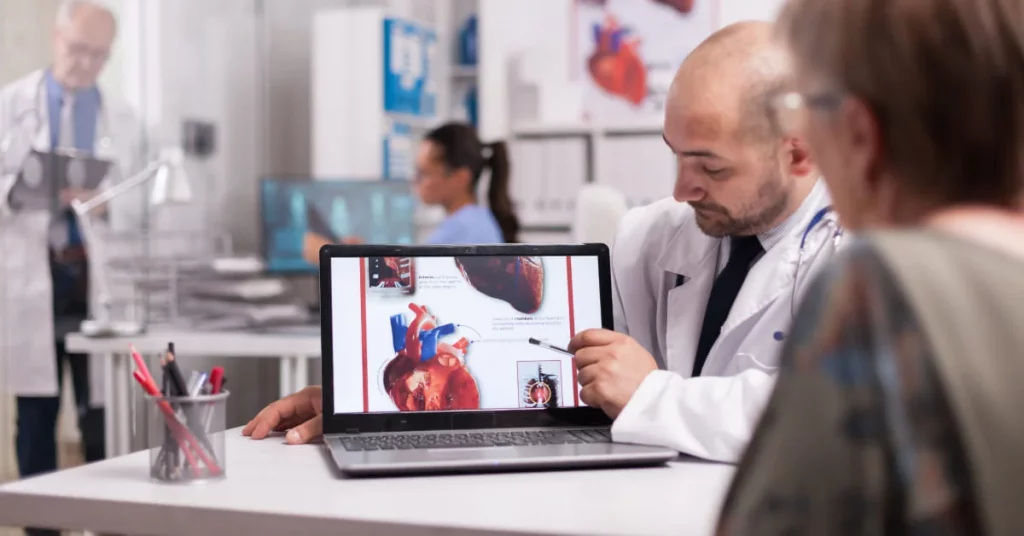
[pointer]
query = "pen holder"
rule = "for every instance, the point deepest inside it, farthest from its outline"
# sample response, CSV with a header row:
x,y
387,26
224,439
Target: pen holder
x,y
185,436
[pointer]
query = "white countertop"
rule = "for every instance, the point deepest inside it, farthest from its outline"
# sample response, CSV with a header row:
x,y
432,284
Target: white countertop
x,y
203,343
273,488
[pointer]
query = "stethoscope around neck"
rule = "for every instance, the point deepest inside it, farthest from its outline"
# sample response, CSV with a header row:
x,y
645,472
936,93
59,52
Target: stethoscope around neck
x,y
824,220
103,140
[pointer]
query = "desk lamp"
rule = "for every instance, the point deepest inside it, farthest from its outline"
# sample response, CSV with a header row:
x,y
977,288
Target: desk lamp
x,y
171,186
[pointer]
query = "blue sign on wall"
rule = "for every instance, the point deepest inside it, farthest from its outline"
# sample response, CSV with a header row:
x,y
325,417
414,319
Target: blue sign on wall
x,y
410,52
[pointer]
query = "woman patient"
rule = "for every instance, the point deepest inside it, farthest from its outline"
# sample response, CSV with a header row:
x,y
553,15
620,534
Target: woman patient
x,y
898,406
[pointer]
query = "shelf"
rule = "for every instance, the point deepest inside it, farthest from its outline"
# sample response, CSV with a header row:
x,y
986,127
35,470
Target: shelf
x,y
554,130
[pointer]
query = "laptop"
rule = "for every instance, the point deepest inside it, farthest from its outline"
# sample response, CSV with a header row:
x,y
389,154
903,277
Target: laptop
x,y
441,359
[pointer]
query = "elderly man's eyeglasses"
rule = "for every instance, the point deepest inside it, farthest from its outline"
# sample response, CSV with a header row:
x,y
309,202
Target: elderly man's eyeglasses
x,y
82,51
791,109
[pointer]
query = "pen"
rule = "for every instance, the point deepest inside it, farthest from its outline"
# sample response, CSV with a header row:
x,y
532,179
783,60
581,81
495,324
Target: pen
x,y
177,380
141,364
191,412
549,346
196,386
217,379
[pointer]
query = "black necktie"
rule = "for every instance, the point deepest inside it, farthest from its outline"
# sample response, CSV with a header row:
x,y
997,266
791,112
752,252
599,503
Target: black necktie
x,y
743,251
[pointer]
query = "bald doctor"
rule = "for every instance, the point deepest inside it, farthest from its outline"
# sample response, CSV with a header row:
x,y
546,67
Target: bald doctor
x,y
704,282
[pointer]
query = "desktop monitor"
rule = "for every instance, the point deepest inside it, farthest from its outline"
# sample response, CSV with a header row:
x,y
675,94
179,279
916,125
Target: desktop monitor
x,y
375,211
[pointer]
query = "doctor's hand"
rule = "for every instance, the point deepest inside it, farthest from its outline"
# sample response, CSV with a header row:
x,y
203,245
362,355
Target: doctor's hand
x,y
300,413
70,194
611,368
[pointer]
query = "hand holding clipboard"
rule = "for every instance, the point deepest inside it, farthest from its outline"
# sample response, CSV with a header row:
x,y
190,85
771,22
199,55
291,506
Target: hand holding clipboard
x,y
49,180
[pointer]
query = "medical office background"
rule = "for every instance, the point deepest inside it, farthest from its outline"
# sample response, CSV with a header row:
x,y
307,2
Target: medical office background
x,y
284,86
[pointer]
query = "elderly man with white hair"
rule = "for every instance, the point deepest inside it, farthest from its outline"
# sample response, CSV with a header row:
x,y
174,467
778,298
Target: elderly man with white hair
x,y
44,264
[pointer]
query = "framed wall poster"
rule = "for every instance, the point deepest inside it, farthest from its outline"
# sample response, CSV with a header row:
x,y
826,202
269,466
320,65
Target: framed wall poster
x,y
628,51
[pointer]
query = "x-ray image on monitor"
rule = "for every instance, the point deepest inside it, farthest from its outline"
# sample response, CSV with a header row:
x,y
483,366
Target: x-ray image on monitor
x,y
295,212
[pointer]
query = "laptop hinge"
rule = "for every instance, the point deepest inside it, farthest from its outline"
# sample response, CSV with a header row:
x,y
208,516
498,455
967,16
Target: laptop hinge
x,y
352,431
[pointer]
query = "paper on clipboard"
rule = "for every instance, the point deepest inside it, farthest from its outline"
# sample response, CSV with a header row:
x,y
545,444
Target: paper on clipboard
x,y
45,173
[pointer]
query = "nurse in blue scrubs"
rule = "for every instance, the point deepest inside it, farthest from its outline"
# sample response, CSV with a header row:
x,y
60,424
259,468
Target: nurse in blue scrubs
x,y
449,165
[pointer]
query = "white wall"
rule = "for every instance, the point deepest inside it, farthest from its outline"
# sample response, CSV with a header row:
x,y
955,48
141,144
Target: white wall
x,y
550,23
502,25
25,30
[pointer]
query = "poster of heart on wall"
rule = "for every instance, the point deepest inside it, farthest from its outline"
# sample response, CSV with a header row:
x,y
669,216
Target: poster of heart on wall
x,y
627,52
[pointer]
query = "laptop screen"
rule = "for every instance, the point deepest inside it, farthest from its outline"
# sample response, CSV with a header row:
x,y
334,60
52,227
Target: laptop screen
x,y
459,333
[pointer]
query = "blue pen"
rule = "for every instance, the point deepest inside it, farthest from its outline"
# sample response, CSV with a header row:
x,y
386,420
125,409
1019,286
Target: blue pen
x,y
197,384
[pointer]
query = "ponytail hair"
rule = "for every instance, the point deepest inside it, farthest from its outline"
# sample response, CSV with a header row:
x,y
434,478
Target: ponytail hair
x,y
460,147
497,191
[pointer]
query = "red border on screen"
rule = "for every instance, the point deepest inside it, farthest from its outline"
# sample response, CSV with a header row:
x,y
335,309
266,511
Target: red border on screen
x,y
572,330
362,322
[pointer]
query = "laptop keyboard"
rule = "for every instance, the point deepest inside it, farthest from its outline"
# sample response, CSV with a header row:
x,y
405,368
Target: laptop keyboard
x,y
449,440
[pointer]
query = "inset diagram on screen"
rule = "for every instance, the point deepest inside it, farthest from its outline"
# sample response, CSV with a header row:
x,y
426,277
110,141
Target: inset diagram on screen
x,y
540,384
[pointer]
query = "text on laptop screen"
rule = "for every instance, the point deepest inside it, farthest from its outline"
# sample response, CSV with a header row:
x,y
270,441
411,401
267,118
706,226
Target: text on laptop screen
x,y
453,333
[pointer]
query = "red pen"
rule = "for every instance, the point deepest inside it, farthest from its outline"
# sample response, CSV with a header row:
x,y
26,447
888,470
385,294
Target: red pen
x,y
141,364
216,379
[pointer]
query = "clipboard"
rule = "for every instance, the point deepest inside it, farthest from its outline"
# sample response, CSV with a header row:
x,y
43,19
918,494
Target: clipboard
x,y
43,174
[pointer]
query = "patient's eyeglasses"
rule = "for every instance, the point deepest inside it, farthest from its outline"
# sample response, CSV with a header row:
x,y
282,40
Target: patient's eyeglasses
x,y
790,110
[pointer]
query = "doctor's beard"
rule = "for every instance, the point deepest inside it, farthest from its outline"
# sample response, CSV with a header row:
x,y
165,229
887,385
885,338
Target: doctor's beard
x,y
751,218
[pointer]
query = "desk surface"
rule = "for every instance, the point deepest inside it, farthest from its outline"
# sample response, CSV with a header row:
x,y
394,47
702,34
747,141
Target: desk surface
x,y
203,343
273,488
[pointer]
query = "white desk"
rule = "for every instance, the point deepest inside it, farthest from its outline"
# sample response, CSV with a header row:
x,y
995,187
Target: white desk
x,y
272,488
292,350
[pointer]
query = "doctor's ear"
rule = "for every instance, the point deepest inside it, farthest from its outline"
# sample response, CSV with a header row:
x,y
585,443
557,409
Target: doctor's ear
x,y
797,158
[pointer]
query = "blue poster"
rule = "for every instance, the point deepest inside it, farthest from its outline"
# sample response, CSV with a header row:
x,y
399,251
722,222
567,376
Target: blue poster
x,y
409,55
299,215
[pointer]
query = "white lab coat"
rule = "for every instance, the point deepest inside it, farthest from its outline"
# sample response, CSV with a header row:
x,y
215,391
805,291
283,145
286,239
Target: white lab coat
x,y
26,308
711,416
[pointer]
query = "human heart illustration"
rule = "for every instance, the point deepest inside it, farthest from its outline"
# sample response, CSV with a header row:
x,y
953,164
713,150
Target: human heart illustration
x,y
616,65
427,374
516,280
682,6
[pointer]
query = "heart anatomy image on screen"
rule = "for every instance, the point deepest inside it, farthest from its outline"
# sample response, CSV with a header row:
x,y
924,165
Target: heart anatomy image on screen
x,y
518,281
453,335
428,372
629,50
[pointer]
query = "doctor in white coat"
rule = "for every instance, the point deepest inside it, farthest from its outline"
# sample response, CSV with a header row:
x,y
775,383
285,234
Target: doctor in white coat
x,y
36,112
704,283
